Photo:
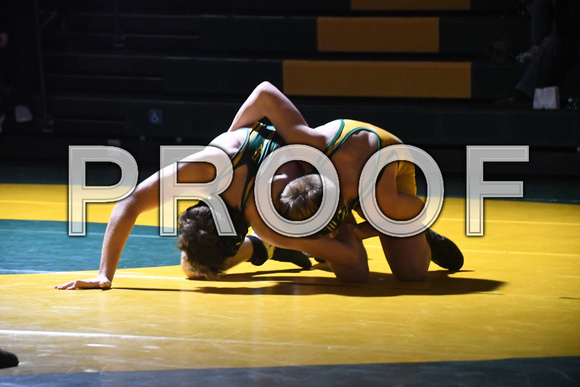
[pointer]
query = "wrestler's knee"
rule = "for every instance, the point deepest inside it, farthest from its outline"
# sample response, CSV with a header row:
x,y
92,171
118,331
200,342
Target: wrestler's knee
x,y
411,274
408,258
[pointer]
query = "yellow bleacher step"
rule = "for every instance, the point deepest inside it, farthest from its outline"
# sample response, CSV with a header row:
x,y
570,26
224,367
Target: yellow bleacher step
x,y
377,79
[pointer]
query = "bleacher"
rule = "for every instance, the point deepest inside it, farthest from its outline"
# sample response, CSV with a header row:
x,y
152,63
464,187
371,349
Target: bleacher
x,y
138,74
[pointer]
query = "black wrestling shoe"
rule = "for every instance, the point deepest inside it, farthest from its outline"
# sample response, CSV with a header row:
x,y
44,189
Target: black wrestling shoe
x,y
444,252
260,254
7,359
296,257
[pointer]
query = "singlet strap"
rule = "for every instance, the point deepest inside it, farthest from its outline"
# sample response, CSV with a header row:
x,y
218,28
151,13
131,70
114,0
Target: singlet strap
x,y
261,140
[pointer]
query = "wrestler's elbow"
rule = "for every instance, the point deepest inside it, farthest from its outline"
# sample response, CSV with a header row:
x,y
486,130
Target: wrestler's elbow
x,y
265,86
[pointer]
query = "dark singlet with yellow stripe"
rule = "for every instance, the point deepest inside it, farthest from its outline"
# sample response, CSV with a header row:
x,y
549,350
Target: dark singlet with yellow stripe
x,y
348,128
261,140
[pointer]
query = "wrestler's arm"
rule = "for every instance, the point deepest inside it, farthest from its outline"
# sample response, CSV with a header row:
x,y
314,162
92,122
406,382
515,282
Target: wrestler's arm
x,y
366,230
121,222
267,101
345,252
125,213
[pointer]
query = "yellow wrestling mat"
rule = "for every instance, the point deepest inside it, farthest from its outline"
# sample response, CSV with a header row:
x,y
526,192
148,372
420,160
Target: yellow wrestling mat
x,y
517,296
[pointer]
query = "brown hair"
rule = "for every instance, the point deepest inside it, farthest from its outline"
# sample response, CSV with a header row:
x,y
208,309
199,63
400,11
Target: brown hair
x,y
205,250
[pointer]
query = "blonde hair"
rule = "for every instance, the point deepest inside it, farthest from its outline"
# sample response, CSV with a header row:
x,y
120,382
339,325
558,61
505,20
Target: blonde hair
x,y
301,198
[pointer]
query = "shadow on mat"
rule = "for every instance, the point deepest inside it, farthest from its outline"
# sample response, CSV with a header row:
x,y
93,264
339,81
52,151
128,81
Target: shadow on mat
x,y
379,285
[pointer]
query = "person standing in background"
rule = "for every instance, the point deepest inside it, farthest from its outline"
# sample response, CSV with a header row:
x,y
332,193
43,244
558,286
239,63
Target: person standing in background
x,y
554,57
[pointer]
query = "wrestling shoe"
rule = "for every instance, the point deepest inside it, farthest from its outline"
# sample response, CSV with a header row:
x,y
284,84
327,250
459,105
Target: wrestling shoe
x,y
264,251
444,252
296,257
7,359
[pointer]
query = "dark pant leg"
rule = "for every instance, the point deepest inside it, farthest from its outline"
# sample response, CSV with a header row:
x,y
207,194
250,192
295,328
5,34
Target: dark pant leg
x,y
542,20
549,66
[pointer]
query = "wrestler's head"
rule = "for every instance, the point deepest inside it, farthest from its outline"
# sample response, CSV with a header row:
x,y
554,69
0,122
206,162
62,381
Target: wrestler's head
x,y
302,197
204,252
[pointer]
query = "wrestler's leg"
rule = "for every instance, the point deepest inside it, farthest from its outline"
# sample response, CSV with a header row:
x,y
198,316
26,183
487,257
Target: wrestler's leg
x,y
408,257
396,192
398,201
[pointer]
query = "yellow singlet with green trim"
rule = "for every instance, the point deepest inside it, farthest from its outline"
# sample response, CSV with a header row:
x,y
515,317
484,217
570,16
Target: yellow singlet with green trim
x,y
348,128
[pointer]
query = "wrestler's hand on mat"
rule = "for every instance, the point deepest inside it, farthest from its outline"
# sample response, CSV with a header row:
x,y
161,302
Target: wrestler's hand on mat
x,y
93,283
